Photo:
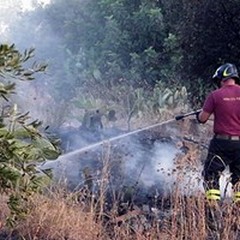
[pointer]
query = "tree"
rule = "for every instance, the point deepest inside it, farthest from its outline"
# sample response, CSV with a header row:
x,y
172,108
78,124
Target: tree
x,y
208,35
22,145
114,39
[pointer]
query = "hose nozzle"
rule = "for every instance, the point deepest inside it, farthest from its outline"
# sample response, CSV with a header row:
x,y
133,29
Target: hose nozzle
x,y
179,117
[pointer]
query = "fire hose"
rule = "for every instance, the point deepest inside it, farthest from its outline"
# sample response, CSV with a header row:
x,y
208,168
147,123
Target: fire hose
x,y
179,117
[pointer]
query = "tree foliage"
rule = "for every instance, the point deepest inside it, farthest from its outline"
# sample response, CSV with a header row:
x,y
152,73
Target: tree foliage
x,y
208,34
22,145
114,40
139,43
150,41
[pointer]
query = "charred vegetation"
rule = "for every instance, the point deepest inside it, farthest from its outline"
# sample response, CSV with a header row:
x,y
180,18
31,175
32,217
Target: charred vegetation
x,y
135,176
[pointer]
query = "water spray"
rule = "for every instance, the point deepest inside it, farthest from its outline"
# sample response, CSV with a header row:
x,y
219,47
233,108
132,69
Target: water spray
x,y
92,146
147,173
107,141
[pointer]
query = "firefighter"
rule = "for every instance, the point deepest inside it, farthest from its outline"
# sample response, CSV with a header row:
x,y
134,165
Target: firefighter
x,y
95,125
224,149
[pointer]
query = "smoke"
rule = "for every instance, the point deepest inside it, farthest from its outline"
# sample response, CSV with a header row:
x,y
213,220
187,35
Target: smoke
x,y
25,24
132,164
164,168
154,165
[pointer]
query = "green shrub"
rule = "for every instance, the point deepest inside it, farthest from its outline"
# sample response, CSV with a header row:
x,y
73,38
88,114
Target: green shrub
x,y
22,145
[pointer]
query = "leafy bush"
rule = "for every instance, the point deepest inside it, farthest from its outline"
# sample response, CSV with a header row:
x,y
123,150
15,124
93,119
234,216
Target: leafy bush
x,y
22,145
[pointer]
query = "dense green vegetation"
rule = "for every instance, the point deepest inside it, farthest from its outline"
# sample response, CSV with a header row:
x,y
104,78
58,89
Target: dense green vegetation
x,y
140,43
22,145
115,49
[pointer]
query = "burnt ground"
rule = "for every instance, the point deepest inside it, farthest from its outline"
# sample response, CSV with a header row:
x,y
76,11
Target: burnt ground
x,y
139,171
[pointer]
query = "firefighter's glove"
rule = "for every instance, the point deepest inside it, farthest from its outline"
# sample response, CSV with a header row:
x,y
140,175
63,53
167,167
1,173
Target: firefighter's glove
x,y
197,116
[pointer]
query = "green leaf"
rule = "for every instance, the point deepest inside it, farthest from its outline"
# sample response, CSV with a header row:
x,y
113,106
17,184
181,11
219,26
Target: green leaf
x,y
48,150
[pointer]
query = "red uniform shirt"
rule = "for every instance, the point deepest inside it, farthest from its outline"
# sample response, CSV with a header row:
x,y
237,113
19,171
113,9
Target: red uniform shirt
x,y
224,103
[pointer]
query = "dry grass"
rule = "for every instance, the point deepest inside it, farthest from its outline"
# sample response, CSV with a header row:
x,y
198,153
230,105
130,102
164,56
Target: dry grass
x,y
181,215
59,216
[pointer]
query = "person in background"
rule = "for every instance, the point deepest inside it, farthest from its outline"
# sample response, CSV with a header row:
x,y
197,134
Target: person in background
x,y
96,124
224,148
